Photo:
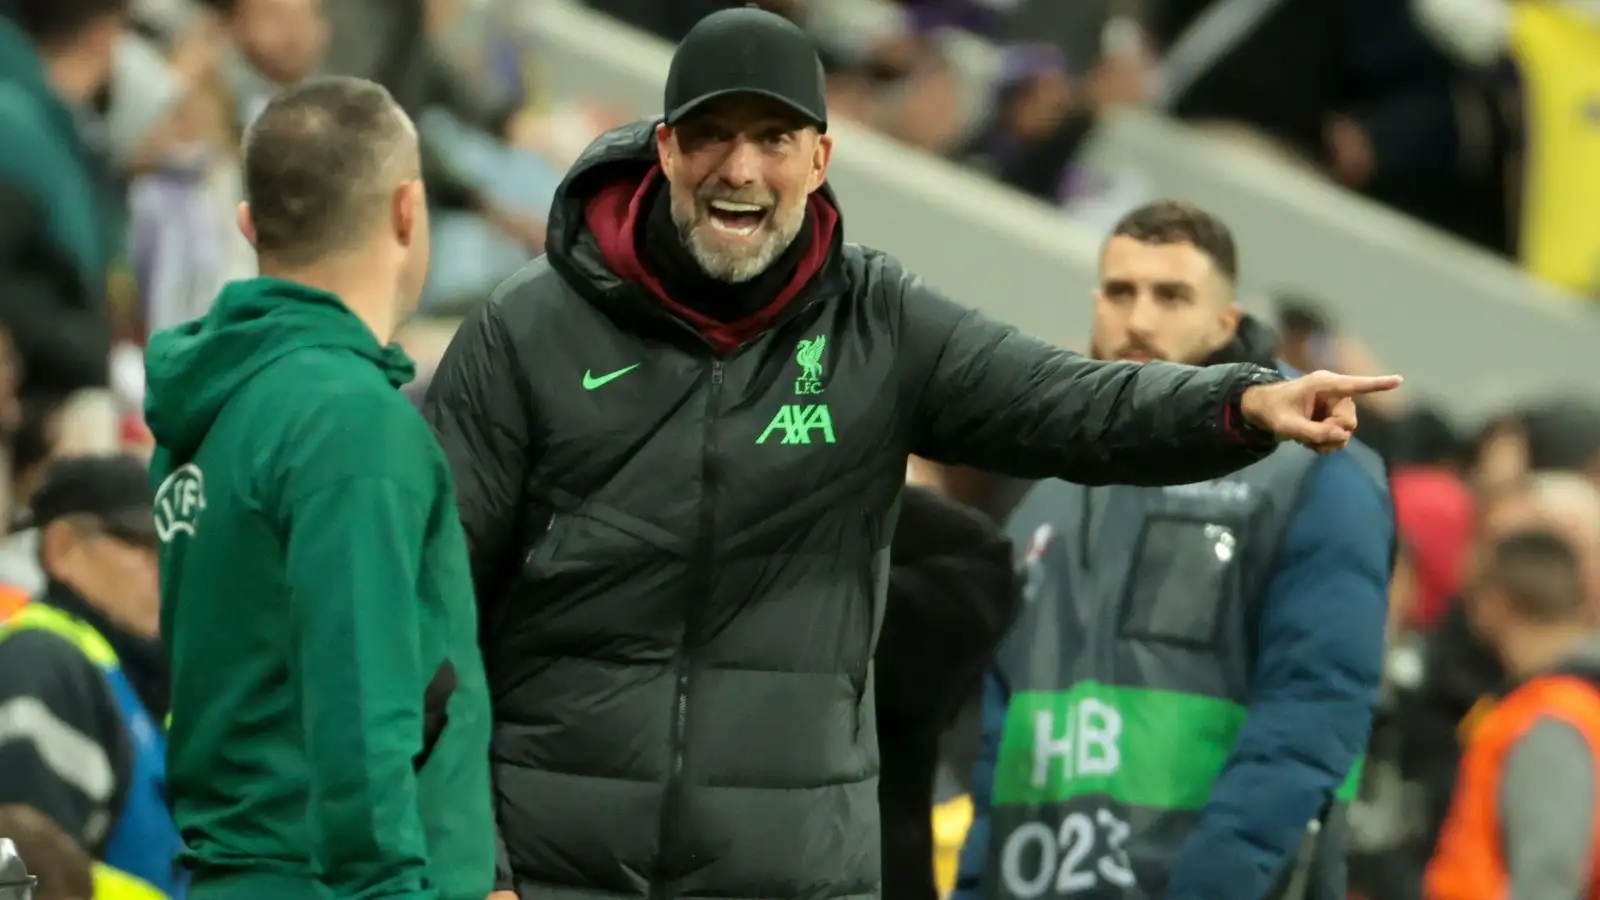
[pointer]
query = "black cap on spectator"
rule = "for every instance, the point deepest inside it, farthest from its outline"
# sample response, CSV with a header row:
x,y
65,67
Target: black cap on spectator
x,y
112,489
746,51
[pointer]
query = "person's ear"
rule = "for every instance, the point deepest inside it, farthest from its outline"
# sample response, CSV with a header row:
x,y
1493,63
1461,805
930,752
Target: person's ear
x,y
1228,321
664,146
247,225
58,543
821,156
406,211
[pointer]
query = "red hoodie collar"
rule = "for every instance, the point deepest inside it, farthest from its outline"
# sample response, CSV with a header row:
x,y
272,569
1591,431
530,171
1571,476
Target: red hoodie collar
x,y
612,215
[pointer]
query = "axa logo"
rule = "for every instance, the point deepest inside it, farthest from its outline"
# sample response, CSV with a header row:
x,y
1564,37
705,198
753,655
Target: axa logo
x,y
798,422
180,500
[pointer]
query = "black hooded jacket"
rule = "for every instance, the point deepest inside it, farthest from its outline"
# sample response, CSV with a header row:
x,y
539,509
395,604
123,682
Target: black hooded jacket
x,y
679,533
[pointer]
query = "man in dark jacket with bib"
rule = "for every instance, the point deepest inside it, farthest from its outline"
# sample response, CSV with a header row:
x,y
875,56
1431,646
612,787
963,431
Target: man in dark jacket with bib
x,y
680,439
1179,711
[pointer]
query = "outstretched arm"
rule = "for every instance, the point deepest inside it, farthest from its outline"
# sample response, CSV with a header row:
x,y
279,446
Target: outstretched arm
x,y
982,394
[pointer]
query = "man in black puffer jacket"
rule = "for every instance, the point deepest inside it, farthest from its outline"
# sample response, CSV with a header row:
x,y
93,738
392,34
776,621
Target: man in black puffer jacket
x,y
680,441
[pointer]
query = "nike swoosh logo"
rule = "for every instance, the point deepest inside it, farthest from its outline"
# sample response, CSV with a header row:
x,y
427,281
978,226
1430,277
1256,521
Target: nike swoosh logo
x,y
592,381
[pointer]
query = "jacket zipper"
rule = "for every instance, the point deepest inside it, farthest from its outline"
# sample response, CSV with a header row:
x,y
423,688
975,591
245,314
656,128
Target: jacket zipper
x,y
707,561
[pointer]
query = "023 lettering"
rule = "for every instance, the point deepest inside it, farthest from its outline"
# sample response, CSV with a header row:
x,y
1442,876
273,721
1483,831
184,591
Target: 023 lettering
x,y
1085,851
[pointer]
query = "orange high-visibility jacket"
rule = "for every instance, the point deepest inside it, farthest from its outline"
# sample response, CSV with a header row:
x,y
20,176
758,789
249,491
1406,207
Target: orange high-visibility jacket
x,y
1469,863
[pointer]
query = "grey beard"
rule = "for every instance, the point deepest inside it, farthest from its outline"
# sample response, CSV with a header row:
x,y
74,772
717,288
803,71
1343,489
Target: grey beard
x,y
726,267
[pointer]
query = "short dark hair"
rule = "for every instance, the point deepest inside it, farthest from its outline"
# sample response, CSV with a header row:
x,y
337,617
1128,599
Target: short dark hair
x,y
1538,573
1177,222
64,869
52,22
319,161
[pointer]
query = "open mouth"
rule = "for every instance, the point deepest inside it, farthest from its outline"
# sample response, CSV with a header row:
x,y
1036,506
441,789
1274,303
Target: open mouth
x,y
736,219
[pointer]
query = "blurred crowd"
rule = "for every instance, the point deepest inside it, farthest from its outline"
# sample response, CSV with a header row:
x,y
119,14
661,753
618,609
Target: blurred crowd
x,y
1475,116
119,141
119,170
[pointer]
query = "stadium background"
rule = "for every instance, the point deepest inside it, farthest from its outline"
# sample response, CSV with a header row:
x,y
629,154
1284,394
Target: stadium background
x,y
1382,162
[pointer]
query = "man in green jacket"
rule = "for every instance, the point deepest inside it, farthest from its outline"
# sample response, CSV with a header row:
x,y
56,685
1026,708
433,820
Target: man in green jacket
x,y
330,717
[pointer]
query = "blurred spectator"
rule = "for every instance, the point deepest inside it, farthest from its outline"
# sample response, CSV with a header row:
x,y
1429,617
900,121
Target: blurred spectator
x,y
892,70
33,450
274,44
1353,83
1540,54
143,92
1497,461
55,56
1556,434
1522,819
1036,123
82,675
1077,29
183,243
1563,433
1461,671
1435,514
491,197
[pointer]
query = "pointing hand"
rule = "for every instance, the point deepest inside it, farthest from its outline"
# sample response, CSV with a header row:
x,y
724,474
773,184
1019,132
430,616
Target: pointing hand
x,y
1318,410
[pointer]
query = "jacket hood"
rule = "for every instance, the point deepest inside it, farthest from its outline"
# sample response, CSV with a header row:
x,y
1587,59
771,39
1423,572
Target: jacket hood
x,y
193,369
1253,342
623,154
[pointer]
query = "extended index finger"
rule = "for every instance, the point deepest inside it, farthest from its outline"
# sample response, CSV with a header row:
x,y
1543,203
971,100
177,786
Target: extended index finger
x,y
1351,385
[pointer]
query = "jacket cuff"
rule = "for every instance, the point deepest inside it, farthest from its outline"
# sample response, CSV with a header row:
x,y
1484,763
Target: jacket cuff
x,y
1239,429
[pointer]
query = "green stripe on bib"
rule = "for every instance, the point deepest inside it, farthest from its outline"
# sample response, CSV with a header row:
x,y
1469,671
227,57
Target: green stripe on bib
x,y
1139,746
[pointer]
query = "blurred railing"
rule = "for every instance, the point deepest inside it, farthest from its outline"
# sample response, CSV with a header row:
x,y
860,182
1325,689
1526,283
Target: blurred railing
x,y
1466,329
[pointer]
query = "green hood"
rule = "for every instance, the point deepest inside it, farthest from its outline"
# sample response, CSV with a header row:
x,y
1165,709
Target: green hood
x,y
193,369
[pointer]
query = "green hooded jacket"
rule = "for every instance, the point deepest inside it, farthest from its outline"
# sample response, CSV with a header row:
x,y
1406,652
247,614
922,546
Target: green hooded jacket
x,y
317,606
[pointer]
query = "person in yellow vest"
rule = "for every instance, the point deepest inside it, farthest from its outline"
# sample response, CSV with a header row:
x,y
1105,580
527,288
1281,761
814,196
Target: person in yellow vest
x,y
1554,45
83,687
1524,815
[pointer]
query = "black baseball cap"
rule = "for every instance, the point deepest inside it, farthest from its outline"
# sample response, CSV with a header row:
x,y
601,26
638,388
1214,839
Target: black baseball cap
x,y
746,51
112,489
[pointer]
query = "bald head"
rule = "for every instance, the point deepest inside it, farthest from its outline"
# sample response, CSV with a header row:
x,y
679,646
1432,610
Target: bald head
x,y
322,164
